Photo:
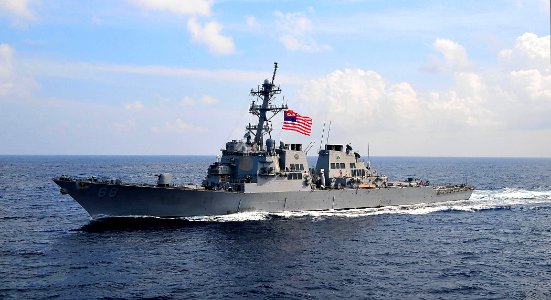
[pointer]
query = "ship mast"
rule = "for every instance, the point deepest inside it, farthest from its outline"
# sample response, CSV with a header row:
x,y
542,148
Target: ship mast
x,y
265,93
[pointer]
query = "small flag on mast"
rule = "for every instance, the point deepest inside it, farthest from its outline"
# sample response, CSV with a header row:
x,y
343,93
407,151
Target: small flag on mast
x,y
294,121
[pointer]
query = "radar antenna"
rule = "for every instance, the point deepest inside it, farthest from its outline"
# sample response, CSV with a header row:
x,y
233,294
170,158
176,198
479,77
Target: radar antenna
x,y
275,70
265,94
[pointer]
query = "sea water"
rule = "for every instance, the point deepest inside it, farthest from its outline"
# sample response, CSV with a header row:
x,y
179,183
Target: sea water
x,y
495,245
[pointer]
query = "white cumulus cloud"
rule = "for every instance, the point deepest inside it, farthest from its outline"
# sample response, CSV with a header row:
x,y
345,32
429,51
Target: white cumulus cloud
x,y
295,32
529,52
488,104
182,7
358,97
210,35
17,8
454,57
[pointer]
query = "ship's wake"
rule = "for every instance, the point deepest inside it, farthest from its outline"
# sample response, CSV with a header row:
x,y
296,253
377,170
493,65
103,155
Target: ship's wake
x,y
480,200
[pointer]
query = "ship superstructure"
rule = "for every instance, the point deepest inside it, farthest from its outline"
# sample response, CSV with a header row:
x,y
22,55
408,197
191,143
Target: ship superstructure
x,y
252,165
257,174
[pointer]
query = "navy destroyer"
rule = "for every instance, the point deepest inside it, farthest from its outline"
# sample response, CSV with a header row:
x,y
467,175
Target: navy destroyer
x,y
256,174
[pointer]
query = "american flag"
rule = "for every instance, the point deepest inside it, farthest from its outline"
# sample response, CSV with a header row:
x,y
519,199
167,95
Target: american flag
x,y
296,122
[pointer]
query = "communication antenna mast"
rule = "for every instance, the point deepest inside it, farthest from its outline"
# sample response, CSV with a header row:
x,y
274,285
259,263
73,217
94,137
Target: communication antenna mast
x,y
264,109
322,132
367,151
328,132
368,159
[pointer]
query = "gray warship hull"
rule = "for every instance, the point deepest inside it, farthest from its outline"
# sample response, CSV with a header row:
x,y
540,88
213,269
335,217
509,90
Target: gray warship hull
x,y
115,200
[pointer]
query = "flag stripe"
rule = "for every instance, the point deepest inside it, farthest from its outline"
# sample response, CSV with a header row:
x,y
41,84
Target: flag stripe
x,y
295,122
294,127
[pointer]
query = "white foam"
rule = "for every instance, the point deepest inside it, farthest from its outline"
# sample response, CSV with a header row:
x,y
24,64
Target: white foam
x,y
480,200
237,217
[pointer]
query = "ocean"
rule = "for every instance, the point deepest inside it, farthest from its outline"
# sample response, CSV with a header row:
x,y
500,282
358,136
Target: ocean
x,y
496,245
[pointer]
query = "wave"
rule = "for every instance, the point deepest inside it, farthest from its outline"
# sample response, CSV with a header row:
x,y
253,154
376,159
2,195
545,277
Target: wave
x,y
480,200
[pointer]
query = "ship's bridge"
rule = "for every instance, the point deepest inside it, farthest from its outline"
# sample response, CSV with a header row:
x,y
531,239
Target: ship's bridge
x,y
292,158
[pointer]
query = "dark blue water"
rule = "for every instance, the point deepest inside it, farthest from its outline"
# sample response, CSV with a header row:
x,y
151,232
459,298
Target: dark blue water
x,y
497,245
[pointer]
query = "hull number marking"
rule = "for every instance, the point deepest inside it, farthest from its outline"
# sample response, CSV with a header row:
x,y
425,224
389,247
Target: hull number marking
x,y
104,191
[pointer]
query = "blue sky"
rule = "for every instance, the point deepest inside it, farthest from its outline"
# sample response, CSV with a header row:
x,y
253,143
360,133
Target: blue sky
x,y
421,78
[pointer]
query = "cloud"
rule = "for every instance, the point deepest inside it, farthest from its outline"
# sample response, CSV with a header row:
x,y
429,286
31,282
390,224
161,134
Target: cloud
x,y
467,105
529,52
486,104
187,101
361,98
546,6
18,9
207,100
68,69
11,83
252,22
528,79
533,84
177,125
181,125
210,35
133,105
6,69
186,7
454,58
97,21
127,126
295,31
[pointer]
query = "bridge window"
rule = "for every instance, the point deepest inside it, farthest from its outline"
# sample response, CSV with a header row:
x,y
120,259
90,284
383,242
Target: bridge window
x,y
294,176
297,167
343,166
332,165
352,166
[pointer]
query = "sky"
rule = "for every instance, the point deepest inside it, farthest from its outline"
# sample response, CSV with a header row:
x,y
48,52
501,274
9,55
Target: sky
x,y
172,77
